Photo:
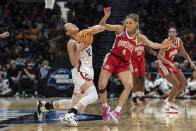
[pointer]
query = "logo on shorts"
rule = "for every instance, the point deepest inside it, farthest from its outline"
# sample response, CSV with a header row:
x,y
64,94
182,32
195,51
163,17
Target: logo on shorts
x,y
61,79
136,70
107,67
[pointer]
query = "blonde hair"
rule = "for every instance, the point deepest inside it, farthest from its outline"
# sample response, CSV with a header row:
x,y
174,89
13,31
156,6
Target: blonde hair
x,y
135,17
45,62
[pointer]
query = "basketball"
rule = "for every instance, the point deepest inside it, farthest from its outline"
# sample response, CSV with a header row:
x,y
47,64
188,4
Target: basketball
x,y
84,35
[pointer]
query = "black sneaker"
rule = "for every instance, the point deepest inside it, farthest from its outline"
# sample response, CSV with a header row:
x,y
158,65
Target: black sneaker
x,y
134,101
41,109
142,100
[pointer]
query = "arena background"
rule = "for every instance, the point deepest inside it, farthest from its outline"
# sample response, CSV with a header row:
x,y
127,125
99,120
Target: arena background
x,y
31,26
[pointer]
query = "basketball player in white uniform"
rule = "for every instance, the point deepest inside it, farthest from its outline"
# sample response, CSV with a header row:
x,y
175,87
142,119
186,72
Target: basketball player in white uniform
x,y
82,74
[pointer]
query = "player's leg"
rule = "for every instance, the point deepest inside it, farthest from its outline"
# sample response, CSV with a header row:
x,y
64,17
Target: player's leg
x,y
142,74
127,80
102,83
107,69
44,107
176,84
134,65
141,89
90,96
135,89
170,106
183,82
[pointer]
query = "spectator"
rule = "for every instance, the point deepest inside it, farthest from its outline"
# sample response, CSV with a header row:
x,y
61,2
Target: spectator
x,y
44,72
44,69
13,75
27,81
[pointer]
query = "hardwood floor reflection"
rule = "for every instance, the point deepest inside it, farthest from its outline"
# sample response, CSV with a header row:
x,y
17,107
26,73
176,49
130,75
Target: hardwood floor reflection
x,y
20,115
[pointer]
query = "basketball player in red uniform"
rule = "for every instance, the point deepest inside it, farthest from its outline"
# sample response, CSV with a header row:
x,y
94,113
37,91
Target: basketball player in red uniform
x,y
169,71
138,71
118,60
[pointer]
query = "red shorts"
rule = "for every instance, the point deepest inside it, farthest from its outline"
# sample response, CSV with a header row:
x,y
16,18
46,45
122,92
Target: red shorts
x,y
166,69
138,67
115,64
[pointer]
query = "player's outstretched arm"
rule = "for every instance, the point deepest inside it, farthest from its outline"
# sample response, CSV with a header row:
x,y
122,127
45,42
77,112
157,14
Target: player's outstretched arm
x,y
153,45
96,29
5,34
116,28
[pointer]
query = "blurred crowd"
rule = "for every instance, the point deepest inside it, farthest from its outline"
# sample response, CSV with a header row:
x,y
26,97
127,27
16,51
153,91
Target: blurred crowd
x,y
166,13
155,86
25,56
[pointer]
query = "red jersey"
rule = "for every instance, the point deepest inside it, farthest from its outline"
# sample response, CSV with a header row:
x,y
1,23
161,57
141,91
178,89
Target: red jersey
x,y
172,50
124,45
139,52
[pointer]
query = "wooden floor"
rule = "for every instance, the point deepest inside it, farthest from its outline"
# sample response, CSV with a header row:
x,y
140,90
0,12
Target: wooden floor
x,y
20,115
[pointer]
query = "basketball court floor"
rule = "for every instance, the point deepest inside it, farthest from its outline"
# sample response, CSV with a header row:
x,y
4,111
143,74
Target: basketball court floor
x,y
20,115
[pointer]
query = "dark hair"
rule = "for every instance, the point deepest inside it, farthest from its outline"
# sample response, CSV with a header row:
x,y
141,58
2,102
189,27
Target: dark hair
x,y
59,43
172,27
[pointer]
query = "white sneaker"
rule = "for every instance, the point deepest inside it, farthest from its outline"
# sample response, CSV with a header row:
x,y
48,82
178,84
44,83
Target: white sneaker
x,y
41,109
69,119
171,108
166,100
6,91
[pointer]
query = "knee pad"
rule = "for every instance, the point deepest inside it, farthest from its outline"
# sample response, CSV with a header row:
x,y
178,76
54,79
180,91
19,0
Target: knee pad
x,y
65,104
90,96
101,91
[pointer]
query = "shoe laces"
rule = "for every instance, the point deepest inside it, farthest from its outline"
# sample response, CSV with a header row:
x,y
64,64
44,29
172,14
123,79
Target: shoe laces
x,y
173,104
116,114
105,111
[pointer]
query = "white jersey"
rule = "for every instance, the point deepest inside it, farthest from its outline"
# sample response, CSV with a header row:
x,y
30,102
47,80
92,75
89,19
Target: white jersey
x,y
83,71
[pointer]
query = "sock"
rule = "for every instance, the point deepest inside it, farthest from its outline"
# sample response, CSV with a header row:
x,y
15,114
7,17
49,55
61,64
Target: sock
x,y
133,94
139,94
73,110
105,105
75,107
118,108
49,105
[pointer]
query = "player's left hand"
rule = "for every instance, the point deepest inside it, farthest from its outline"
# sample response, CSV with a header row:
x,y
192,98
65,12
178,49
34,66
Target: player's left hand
x,y
5,34
97,28
166,43
193,66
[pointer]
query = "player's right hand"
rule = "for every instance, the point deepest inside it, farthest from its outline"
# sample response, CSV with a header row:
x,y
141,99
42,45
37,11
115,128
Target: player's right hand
x,y
107,11
82,45
172,66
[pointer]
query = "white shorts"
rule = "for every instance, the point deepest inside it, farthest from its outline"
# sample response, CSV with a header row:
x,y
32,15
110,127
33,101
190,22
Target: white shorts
x,y
80,77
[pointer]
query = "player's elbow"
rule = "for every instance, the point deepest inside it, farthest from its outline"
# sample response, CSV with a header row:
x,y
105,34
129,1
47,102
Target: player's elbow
x,y
160,56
